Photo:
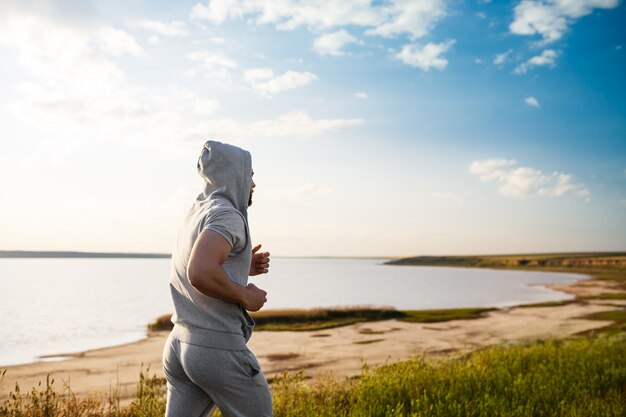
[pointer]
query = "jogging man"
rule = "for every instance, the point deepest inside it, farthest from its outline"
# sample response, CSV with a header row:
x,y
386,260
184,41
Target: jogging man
x,y
205,359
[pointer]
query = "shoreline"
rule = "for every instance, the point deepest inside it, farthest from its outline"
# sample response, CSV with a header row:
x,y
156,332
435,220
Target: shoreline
x,y
340,351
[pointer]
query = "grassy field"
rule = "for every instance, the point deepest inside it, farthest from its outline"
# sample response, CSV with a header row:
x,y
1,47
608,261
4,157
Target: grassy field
x,y
600,265
579,377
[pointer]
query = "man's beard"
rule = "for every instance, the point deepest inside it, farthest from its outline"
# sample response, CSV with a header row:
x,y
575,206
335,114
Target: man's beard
x,y
250,199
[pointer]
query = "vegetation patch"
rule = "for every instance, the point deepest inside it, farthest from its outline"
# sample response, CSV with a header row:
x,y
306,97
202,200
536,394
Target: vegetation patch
x,y
320,318
370,331
574,377
618,317
327,318
282,356
577,377
367,342
162,323
607,296
549,304
434,316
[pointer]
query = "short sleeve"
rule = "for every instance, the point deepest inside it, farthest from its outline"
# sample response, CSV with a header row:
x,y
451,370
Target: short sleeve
x,y
230,226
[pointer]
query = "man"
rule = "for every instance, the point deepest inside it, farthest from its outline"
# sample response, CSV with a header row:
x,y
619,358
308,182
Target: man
x,y
205,359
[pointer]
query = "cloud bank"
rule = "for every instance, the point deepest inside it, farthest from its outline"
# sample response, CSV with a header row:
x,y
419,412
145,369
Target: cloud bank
x,y
526,181
551,18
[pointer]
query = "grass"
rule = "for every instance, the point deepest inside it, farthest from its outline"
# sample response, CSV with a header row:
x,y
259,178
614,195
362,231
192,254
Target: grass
x,y
578,377
547,304
618,317
320,318
607,296
326,318
434,316
46,401
585,377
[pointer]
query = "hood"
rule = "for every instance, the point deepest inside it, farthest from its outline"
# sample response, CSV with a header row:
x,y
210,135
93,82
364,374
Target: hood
x,y
227,173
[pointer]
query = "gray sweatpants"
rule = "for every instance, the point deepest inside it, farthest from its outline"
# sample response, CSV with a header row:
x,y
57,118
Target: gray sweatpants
x,y
200,378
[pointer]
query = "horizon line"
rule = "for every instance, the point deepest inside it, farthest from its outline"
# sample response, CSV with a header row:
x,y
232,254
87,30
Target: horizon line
x,y
156,255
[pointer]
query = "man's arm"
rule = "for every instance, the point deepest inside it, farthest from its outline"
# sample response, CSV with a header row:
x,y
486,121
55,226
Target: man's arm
x,y
206,274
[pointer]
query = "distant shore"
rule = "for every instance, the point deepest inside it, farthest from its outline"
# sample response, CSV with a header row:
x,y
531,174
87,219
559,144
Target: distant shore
x,y
62,254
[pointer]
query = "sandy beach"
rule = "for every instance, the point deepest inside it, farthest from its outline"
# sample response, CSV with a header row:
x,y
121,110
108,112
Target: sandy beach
x,y
341,351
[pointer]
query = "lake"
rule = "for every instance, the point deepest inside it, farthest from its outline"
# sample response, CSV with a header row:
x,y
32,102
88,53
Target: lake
x,y
65,305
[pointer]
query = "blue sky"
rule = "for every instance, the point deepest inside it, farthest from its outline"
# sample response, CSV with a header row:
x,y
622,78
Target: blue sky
x,y
385,128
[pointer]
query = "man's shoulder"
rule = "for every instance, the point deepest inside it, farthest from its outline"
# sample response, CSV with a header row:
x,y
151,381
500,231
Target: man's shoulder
x,y
227,217
224,212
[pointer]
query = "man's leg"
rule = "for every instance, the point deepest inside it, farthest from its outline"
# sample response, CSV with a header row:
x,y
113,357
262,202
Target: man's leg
x,y
232,378
184,398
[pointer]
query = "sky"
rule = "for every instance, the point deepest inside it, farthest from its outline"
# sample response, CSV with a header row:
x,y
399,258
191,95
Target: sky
x,y
376,128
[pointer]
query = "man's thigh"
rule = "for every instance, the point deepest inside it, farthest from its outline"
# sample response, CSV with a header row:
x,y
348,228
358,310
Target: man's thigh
x,y
233,380
184,398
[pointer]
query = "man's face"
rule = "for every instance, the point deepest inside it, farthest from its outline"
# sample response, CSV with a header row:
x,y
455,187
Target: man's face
x,y
252,185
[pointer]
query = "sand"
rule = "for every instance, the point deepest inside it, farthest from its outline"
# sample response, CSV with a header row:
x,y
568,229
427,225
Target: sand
x,y
341,351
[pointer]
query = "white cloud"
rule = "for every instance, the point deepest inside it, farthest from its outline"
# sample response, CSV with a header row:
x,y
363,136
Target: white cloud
x,y
122,111
361,94
212,59
547,58
174,28
501,58
217,11
215,66
73,90
117,42
414,17
333,43
532,101
65,55
263,83
296,123
391,18
551,18
525,181
478,61
54,108
256,74
154,40
426,57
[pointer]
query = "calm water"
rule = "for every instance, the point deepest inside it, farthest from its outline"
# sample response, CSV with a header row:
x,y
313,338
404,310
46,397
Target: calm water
x,y
55,306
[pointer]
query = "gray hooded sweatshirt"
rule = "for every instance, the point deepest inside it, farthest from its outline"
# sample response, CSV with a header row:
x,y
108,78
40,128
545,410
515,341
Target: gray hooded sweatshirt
x,y
222,207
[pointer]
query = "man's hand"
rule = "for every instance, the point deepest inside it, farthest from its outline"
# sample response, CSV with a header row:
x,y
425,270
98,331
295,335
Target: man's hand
x,y
254,298
260,262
